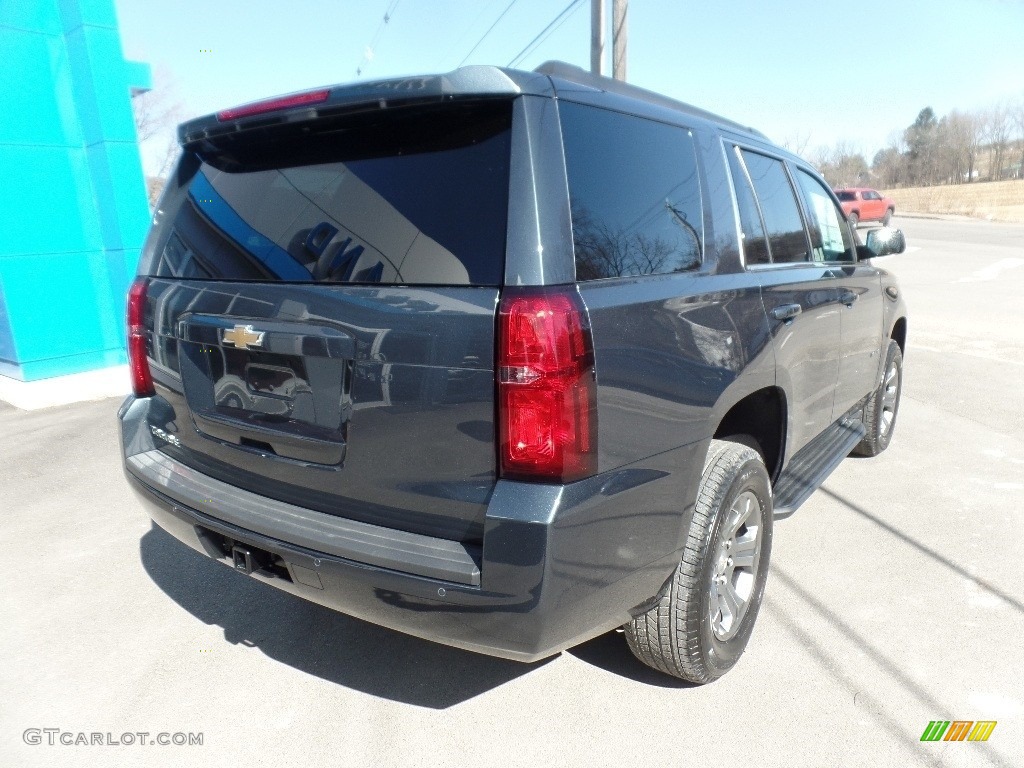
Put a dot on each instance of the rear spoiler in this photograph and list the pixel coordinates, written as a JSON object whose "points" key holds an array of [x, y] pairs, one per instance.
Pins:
{"points": [[476, 81]]}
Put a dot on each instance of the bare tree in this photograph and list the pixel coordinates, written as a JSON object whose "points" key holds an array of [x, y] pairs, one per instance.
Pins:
{"points": [[958, 139], [157, 114], [920, 138], [798, 144], [889, 165], [602, 251], [997, 127], [1017, 116], [842, 165]]}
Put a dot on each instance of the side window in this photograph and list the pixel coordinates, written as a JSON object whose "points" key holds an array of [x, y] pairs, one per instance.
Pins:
{"points": [[634, 192], [779, 208], [755, 244], [830, 237]]}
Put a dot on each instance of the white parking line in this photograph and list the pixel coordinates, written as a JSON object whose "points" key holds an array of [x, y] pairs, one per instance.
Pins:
{"points": [[992, 271], [993, 358]]}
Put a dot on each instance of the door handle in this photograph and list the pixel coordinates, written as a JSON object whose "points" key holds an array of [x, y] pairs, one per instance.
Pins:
{"points": [[786, 311], [848, 297]]}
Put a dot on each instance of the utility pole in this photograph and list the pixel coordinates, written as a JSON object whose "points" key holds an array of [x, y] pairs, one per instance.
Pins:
{"points": [[596, 36], [620, 9]]}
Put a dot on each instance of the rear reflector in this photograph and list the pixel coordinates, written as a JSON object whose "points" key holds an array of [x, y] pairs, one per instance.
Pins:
{"points": [[138, 361], [547, 394], [273, 105]]}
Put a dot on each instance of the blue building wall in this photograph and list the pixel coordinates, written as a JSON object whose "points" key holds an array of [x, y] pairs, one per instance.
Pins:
{"points": [[73, 210]]}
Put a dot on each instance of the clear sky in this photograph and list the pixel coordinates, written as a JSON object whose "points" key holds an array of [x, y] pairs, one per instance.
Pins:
{"points": [[820, 72]]}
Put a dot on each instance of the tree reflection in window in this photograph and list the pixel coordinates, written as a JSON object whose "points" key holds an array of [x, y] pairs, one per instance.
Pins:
{"points": [[605, 252], [635, 194]]}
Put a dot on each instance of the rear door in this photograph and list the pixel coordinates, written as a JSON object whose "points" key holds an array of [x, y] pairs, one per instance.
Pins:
{"points": [[800, 296], [323, 303]]}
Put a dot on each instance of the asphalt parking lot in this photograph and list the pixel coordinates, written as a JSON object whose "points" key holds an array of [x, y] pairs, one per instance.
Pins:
{"points": [[895, 598]]}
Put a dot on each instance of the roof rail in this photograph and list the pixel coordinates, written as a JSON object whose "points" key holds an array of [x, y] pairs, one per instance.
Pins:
{"points": [[572, 73]]}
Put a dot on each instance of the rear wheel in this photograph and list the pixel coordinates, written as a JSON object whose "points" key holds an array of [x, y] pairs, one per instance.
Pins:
{"points": [[883, 405], [853, 218], [706, 611], [887, 218]]}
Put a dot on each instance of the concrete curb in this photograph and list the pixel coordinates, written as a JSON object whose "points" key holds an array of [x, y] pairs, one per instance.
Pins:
{"points": [[947, 217], [62, 390]]}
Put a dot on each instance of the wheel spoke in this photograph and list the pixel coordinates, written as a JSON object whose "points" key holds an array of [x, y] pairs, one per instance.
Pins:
{"points": [[738, 515], [716, 603], [887, 417], [731, 600], [748, 507], [743, 553]]}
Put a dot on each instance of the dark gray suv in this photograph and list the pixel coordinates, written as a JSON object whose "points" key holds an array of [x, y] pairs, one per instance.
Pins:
{"points": [[503, 359]]}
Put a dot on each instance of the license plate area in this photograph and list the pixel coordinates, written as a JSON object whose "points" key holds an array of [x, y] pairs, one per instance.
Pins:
{"points": [[289, 398], [277, 382]]}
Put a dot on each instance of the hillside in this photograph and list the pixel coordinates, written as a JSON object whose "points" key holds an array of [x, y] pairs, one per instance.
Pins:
{"points": [[993, 200]]}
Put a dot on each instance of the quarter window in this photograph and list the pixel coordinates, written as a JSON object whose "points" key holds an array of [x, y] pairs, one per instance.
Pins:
{"points": [[755, 244], [635, 194]]}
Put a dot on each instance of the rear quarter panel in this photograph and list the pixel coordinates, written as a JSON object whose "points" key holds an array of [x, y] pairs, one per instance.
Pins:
{"points": [[675, 352]]}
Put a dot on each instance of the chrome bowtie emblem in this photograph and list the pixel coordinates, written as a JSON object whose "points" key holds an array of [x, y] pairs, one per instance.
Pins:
{"points": [[243, 337]]}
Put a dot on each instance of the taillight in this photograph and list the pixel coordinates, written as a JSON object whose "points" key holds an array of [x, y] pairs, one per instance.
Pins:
{"points": [[138, 362], [273, 105], [547, 394]]}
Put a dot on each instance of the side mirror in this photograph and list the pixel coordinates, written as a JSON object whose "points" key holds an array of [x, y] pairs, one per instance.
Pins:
{"points": [[885, 241]]}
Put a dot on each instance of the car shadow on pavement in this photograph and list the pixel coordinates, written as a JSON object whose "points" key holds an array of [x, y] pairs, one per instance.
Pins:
{"points": [[316, 640], [610, 653]]}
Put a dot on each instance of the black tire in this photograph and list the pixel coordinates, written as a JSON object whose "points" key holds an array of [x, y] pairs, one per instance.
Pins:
{"points": [[887, 218], [853, 218], [883, 406], [679, 635]]}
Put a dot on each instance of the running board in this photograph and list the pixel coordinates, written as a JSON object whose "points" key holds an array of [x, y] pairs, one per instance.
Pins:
{"points": [[814, 463]]}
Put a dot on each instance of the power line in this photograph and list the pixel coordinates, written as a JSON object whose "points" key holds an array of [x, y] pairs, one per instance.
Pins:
{"points": [[559, 20], [463, 36], [489, 30], [389, 12]]}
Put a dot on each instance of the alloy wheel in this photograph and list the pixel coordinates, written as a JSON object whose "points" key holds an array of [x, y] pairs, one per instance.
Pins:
{"points": [[891, 387], [735, 565]]}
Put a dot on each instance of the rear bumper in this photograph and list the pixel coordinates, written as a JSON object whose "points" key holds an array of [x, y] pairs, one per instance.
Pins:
{"points": [[558, 565]]}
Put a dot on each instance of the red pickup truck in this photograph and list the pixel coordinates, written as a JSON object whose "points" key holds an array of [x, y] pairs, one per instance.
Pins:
{"points": [[863, 204]]}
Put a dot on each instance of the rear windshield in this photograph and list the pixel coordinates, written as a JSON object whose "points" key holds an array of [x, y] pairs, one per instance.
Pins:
{"points": [[846, 196], [400, 196]]}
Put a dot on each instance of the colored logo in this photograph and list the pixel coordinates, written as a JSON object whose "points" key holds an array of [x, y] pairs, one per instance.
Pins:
{"points": [[243, 337], [958, 730]]}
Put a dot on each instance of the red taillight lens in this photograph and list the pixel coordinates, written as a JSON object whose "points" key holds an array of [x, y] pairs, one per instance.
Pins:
{"points": [[547, 395], [138, 362], [273, 105]]}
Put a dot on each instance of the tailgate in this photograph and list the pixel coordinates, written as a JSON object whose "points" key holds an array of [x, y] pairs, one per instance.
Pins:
{"points": [[321, 312]]}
